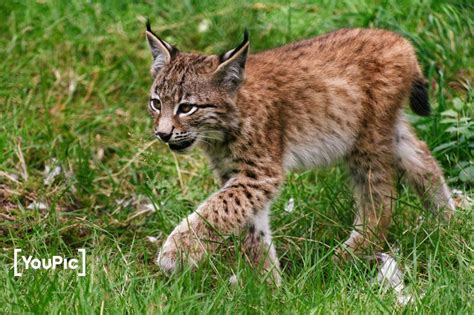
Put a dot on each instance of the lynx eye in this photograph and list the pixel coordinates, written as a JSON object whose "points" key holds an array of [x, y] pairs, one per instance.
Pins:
{"points": [[186, 108], [155, 105]]}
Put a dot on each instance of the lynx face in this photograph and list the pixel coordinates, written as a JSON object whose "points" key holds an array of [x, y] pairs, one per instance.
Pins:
{"points": [[192, 96]]}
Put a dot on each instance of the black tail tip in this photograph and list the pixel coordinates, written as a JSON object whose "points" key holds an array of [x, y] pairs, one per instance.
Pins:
{"points": [[419, 98]]}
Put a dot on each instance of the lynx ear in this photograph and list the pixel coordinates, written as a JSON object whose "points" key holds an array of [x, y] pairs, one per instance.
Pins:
{"points": [[230, 72], [161, 51]]}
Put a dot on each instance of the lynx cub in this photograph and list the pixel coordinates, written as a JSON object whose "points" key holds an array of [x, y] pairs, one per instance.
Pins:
{"points": [[335, 97]]}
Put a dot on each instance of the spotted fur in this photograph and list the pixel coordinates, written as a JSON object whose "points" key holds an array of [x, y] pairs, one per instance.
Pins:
{"points": [[307, 104]]}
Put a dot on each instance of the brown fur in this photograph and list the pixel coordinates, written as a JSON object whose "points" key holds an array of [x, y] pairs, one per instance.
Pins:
{"points": [[306, 104]]}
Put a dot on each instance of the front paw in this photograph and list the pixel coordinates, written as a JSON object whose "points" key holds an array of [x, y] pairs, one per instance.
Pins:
{"points": [[179, 250], [184, 247], [167, 259]]}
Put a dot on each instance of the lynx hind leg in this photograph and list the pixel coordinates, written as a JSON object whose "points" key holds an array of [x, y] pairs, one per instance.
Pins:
{"points": [[372, 171], [415, 161], [258, 248]]}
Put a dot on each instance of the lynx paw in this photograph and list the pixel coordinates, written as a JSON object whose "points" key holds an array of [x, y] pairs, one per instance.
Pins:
{"points": [[166, 261], [179, 250], [183, 247]]}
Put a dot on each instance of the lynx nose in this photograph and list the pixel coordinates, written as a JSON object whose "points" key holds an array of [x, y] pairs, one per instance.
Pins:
{"points": [[165, 136]]}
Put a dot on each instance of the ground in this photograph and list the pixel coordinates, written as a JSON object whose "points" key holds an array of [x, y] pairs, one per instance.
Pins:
{"points": [[73, 96]]}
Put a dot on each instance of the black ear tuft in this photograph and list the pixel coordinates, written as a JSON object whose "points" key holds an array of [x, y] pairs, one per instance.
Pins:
{"points": [[161, 51], [230, 73], [148, 26], [227, 55], [246, 35]]}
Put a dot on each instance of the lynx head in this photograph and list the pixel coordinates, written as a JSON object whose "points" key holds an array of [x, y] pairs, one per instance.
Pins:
{"points": [[192, 98]]}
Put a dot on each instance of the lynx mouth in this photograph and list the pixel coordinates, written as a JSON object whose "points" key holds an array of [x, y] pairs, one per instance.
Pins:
{"points": [[182, 145]]}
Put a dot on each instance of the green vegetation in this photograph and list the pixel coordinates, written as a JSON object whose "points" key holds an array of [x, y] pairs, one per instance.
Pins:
{"points": [[73, 91]]}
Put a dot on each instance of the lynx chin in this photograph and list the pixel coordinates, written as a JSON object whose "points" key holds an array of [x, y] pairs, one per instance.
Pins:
{"points": [[311, 103]]}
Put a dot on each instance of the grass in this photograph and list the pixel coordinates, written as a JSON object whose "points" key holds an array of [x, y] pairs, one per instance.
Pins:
{"points": [[74, 85]]}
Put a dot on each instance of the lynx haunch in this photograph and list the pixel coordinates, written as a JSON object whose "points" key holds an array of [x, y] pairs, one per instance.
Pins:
{"points": [[335, 97]]}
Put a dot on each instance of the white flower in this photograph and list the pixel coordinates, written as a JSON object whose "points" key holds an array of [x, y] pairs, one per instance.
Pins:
{"points": [[51, 171], [290, 205], [204, 26]]}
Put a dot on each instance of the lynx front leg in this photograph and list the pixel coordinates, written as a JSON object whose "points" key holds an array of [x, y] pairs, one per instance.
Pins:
{"points": [[259, 249], [224, 213]]}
